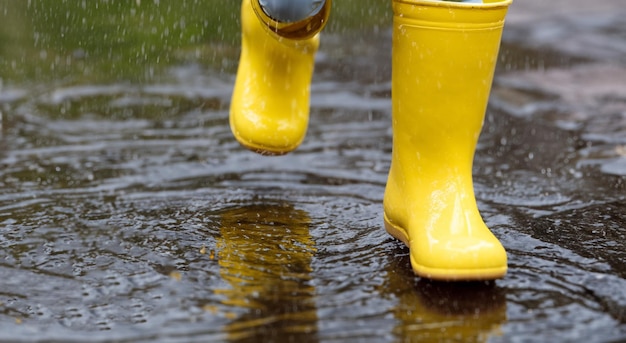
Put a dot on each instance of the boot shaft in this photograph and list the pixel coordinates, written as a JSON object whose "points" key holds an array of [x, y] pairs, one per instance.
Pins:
{"points": [[444, 56]]}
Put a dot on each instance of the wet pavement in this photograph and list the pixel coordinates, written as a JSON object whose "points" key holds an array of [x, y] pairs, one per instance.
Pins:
{"points": [[128, 212]]}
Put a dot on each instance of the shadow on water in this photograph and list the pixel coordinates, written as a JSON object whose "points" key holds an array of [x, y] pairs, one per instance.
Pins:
{"points": [[129, 213]]}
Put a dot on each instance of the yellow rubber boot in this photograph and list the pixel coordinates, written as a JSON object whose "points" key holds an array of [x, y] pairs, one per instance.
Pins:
{"points": [[444, 56], [269, 111]]}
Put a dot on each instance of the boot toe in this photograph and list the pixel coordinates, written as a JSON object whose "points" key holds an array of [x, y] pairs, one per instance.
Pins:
{"points": [[460, 258]]}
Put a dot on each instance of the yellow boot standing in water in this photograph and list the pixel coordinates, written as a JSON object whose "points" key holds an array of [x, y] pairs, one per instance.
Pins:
{"points": [[269, 111], [444, 56]]}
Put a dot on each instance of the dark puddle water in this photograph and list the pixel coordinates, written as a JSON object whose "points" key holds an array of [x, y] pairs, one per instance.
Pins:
{"points": [[119, 224]]}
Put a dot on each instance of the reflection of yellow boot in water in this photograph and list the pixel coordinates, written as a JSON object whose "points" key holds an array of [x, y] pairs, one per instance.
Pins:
{"points": [[264, 254], [270, 105], [451, 312], [444, 56], [432, 311]]}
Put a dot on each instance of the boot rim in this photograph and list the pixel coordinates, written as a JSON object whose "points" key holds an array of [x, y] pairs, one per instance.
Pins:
{"points": [[450, 4], [298, 30]]}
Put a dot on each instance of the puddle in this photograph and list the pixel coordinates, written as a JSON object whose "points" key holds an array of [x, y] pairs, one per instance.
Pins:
{"points": [[129, 213]]}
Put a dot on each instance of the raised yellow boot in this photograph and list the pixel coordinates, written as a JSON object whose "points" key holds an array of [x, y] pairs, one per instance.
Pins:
{"points": [[444, 56], [269, 111]]}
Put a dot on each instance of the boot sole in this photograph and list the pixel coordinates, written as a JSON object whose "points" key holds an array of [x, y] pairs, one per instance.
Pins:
{"points": [[440, 274], [263, 150]]}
